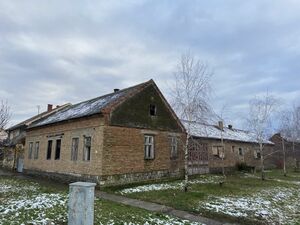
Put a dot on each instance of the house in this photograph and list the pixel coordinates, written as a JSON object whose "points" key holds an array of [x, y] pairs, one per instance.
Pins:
{"points": [[14, 145], [206, 150], [292, 151], [126, 136]]}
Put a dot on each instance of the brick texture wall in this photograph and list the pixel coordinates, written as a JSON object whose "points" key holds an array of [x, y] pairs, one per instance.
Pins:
{"points": [[123, 151], [117, 153], [86, 126], [232, 156]]}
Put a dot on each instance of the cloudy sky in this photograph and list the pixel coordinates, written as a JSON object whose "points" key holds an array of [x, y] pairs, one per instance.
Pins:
{"points": [[68, 51]]}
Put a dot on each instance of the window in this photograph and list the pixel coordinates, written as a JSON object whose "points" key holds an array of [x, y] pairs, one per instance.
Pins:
{"points": [[49, 149], [57, 149], [36, 150], [241, 152], [30, 150], [152, 110], [149, 147], [87, 149], [233, 148], [174, 152], [74, 150], [218, 151], [257, 154]]}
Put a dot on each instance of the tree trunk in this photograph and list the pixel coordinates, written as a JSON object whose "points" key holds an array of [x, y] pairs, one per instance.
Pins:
{"points": [[284, 158], [262, 162], [186, 171], [295, 157]]}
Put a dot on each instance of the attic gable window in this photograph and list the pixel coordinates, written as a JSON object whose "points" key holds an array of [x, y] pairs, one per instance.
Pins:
{"points": [[152, 110]]}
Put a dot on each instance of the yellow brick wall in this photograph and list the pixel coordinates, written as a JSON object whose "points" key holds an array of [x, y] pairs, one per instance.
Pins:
{"points": [[232, 157], [123, 151], [86, 126]]}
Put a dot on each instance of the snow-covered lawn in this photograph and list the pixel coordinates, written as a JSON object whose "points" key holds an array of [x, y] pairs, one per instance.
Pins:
{"points": [[176, 185], [279, 205], [23, 202], [26, 202]]}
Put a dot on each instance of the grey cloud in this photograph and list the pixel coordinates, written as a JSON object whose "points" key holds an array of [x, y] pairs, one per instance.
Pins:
{"points": [[68, 51]]}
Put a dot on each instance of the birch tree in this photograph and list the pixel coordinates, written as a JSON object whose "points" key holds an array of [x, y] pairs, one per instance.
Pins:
{"points": [[290, 130], [190, 94], [4, 114], [261, 110]]}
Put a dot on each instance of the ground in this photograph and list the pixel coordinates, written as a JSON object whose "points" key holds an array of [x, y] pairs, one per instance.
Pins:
{"points": [[243, 198], [26, 201]]}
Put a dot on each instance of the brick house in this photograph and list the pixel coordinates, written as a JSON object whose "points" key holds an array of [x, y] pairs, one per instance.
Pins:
{"points": [[14, 145], [292, 149], [126, 136], [206, 153]]}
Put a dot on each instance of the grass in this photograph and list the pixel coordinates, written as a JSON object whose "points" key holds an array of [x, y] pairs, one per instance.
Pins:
{"points": [[244, 198], [25, 201]]}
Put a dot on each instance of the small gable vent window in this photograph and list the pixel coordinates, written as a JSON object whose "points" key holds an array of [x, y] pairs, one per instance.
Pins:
{"points": [[152, 110]]}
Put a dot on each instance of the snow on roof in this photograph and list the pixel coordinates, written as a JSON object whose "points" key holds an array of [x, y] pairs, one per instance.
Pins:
{"points": [[31, 120], [86, 108], [213, 132]]}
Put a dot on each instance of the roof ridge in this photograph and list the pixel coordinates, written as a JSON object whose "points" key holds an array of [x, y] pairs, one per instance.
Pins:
{"points": [[112, 93], [90, 106]]}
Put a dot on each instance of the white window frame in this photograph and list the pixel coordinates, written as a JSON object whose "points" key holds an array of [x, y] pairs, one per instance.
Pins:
{"points": [[149, 146]]}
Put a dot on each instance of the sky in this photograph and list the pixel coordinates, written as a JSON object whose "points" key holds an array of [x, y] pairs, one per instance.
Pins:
{"points": [[68, 51]]}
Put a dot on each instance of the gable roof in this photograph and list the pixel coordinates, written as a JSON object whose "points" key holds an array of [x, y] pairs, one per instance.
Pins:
{"points": [[213, 132], [100, 105], [35, 118]]}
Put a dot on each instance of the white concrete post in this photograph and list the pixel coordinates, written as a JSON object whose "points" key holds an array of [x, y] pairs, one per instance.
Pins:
{"points": [[81, 203]]}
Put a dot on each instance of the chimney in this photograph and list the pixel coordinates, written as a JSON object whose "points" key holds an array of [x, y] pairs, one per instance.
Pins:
{"points": [[230, 126], [221, 126], [116, 90], [49, 108]]}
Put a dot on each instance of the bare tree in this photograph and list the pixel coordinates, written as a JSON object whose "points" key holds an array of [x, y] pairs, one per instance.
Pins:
{"points": [[290, 131], [259, 121], [190, 94], [4, 114]]}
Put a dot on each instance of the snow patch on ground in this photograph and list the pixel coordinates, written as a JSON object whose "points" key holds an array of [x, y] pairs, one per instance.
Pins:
{"points": [[275, 206], [171, 185], [42, 201], [150, 219]]}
